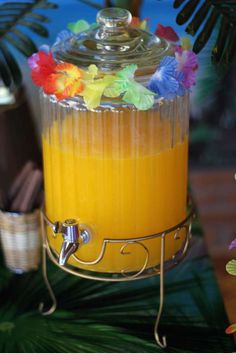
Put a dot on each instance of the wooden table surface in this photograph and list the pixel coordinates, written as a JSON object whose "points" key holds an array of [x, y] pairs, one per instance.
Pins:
{"points": [[215, 195]]}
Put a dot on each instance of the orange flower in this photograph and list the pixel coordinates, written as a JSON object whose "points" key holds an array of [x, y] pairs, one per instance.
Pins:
{"points": [[231, 329], [137, 23], [64, 82]]}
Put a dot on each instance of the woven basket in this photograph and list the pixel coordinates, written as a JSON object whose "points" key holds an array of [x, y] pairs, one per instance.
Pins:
{"points": [[20, 239]]}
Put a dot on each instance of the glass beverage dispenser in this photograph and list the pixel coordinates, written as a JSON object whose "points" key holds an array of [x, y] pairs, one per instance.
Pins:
{"points": [[114, 172]]}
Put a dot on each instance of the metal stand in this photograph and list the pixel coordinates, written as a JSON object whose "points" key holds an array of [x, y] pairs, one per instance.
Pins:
{"points": [[45, 276], [161, 341], [144, 272]]}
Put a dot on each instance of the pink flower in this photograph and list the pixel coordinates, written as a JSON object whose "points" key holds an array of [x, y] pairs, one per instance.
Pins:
{"points": [[187, 64], [232, 245], [167, 33], [33, 61]]}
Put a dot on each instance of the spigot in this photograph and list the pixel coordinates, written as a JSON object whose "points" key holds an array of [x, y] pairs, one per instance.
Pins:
{"points": [[73, 236], [67, 249]]}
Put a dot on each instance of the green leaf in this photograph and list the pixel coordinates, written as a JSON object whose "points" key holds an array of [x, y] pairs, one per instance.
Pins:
{"points": [[47, 5], [79, 26], [4, 71], [112, 91], [128, 72], [11, 10], [35, 27], [13, 14], [230, 50], [92, 4], [231, 267], [205, 34], [186, 12], [203, 133], [25, 40], [91, 72], [97, 317], [178, 3], [93, 91], [137, 94], [16, 4], [134, 93], [198, 19], [12, 65], [220, 44], [38, 17], [224, 48], [18, 45]]}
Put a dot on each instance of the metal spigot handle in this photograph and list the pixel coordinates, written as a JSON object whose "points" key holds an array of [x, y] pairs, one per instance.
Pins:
{"points": [[67, 249], [73, 237], [70, 231]]}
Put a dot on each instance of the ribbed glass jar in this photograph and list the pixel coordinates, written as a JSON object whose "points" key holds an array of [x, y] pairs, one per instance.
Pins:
{"points": [[121, 171]]}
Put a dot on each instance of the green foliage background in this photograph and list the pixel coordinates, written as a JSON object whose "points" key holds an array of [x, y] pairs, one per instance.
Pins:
{"points": [[97, 317], [15, 17]]}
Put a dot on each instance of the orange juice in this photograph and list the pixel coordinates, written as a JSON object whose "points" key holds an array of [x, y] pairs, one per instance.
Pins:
{"points": [[124, 174]]}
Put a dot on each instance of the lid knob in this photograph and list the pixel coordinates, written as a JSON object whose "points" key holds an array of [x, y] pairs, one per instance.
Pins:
{"points": [[114, 17]]}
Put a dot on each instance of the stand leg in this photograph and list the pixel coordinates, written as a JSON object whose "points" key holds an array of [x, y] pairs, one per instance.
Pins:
{"points": [[45, 277], [161, 341]]}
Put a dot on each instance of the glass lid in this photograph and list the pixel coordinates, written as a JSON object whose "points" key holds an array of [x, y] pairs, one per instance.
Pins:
{"points": [[112, 44]]}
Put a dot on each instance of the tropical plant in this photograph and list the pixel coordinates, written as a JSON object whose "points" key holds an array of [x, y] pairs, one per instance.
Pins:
{"points": [[212, 23], [205, 16], [14, 17], [97, 317], [199, 15]]}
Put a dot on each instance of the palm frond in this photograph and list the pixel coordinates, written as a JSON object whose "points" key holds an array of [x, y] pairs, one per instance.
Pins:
{"points": [[11, 64], [205, 18], [14, 16], [92, 4], [97, 317]]}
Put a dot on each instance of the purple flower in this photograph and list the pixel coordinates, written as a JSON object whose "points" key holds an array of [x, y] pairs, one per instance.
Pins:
{"points": [[167, 80], [232, 245], [33, 61], [187, 64]]}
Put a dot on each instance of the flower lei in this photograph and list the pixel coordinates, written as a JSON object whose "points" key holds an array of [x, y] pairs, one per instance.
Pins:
{"points": [[231, 269], [174, 76]]}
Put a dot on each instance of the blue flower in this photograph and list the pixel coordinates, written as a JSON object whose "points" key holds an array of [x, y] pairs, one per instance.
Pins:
{"points": [[63, 35], [45, 48], [167, 81]]}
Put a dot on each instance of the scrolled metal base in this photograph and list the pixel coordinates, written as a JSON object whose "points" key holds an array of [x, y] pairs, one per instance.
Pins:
{"points": [[144, 272]]}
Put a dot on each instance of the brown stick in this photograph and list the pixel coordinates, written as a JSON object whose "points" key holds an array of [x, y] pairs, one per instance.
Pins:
{"points": [[25, 199], [19, 180], [135, 7], [2, 200]]}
